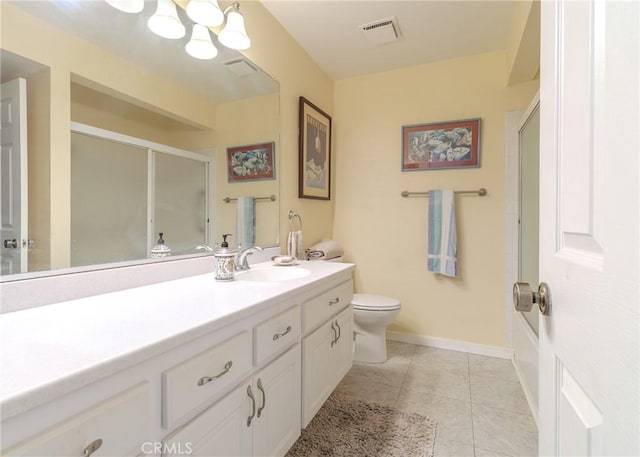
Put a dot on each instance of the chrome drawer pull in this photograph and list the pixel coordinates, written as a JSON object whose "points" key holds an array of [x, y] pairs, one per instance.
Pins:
{"points": [[334, 301], [280, 335], [253, 406], [93, 447], [335, 334], [264, 397], [206, 379]]}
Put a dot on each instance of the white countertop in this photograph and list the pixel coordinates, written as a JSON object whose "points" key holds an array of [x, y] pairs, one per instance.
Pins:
{"points": [[52, 350]]}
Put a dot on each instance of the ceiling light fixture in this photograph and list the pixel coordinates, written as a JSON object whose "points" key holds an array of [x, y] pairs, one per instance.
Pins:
{"points": [[205, 12], [200, 45], [165, 22], [234, 35]]}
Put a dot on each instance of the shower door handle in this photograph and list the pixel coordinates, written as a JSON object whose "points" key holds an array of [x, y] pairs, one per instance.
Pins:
{"points": [[524, 297]]}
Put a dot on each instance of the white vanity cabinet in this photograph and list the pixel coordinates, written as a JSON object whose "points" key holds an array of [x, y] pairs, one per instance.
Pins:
{"points": [[327, 352], [117, 426], [261, 417], [233, 369]]}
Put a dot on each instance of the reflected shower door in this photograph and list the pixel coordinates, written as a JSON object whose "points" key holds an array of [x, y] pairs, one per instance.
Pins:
{"points": [[108, 201], [180, 202], [529, 137]]}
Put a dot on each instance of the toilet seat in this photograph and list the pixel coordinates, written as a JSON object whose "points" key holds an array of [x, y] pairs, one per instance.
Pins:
{"points": [[371, 302]]}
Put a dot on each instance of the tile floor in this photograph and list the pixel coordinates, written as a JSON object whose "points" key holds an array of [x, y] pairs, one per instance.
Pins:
{"points": [[478, 401]]}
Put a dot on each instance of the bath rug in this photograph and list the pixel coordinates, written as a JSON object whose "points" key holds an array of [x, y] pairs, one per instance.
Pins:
{"points": [[347, 427]]}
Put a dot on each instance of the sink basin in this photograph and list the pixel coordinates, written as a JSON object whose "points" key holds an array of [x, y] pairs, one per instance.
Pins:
{"points": [[272, 274]]}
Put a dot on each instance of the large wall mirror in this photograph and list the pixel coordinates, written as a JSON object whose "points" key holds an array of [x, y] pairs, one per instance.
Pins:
{"points": [[111, 134]]}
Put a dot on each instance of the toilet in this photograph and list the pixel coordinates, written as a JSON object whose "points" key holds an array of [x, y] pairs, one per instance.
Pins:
{"points": [[371, 316]]}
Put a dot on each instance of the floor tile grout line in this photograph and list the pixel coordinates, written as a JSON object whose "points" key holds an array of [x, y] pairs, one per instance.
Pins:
{"points": [[473, 432]]}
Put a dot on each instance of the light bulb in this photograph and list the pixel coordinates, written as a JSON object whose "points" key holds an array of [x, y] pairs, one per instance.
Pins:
{"points": [[127, 6], [234, 35], [205, 12], [165, 21], [200, 45]]}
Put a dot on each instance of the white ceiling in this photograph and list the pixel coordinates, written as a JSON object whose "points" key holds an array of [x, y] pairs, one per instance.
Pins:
{"points": [[430, 31]]}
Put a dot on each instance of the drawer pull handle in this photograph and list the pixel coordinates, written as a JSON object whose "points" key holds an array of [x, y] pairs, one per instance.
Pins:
{"points": [[339, 331], [280, 335], [93, 447], [253, 406], [334, 301], [264, 397], [206, 379], [335, 335]]}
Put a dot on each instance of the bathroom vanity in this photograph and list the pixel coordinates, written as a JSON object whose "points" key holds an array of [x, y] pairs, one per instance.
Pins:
{"points": [[184, 367]]}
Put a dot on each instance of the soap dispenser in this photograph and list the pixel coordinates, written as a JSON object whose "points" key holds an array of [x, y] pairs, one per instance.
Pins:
{"points": [[225, 261], [160, 249]]}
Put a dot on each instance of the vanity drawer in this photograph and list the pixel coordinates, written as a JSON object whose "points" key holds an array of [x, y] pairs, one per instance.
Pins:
{"points": [[188, 386], [121, 422], [277, 334], [317, 310]]}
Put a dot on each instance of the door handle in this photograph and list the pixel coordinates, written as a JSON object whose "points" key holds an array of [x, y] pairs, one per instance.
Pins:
{"points": [[264, 397], [253, 406], [11, 244], [335, 335], [524, 297]]}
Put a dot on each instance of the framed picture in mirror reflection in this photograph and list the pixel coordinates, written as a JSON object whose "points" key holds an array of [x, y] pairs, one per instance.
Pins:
{"points": [[251, 162], [314, 173]]}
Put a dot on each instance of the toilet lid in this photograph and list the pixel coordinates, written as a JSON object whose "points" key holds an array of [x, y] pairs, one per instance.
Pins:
{"points": [[374, 302]]}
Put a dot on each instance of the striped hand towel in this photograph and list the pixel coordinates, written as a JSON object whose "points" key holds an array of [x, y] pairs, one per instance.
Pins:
{"points": [[246, 221], [294, 244], [442, 238]]}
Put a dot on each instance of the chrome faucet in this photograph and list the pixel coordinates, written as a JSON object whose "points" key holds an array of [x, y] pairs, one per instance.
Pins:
{"points": [[242, 263], [204, 247]]}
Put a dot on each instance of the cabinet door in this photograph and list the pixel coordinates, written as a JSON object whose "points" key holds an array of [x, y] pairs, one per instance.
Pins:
{"points": [[277, 390], [343, 348], [220, 431], [317, 370], [116, 427]]}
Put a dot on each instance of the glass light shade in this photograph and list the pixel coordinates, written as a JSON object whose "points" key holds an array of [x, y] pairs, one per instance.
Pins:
{"points": [[127, 6], [200, 45], [234, 35], [205, 12], [165, 21]]}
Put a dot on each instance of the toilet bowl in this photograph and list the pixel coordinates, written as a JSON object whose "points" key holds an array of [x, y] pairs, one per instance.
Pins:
{"points": [[371, 316]]}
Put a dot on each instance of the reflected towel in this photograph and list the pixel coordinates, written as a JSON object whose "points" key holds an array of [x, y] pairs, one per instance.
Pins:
{"points": [[442, 239], [246, 221], [294, 244]]}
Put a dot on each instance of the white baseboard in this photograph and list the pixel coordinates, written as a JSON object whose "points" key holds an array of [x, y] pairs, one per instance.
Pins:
{"points": [[454, 345]]}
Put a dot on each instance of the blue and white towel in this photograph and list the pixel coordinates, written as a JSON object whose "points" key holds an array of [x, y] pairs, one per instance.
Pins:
{"points": [[246, 221], [442, 239]]}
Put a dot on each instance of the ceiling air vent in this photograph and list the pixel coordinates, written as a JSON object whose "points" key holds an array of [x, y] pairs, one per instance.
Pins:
{"points": [[381, 31], [240, 67]]}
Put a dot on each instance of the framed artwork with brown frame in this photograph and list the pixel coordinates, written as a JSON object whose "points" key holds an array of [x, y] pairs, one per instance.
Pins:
{"points": [[314, 163], [252, 162], [440, 145]]}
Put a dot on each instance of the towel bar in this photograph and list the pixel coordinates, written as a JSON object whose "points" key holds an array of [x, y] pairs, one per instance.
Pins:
{"points": [[233, 199], [481, 192]]}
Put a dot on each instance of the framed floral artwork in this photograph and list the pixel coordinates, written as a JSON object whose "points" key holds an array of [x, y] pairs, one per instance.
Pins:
{"points": [[250, 163], [453, 144]]}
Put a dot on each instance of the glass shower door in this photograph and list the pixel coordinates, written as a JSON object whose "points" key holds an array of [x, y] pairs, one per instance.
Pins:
{"points": [[529, 137]]}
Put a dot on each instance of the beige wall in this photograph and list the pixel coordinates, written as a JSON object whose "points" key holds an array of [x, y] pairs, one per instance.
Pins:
{"points": [[385, 234], [273, 49]]}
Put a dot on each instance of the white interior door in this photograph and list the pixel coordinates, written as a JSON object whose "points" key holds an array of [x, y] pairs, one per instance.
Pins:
{"points": [[13, 177], [589, 241]]}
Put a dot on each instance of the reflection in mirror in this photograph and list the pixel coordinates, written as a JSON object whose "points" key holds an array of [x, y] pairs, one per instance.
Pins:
{"points": [[87, 63]]}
